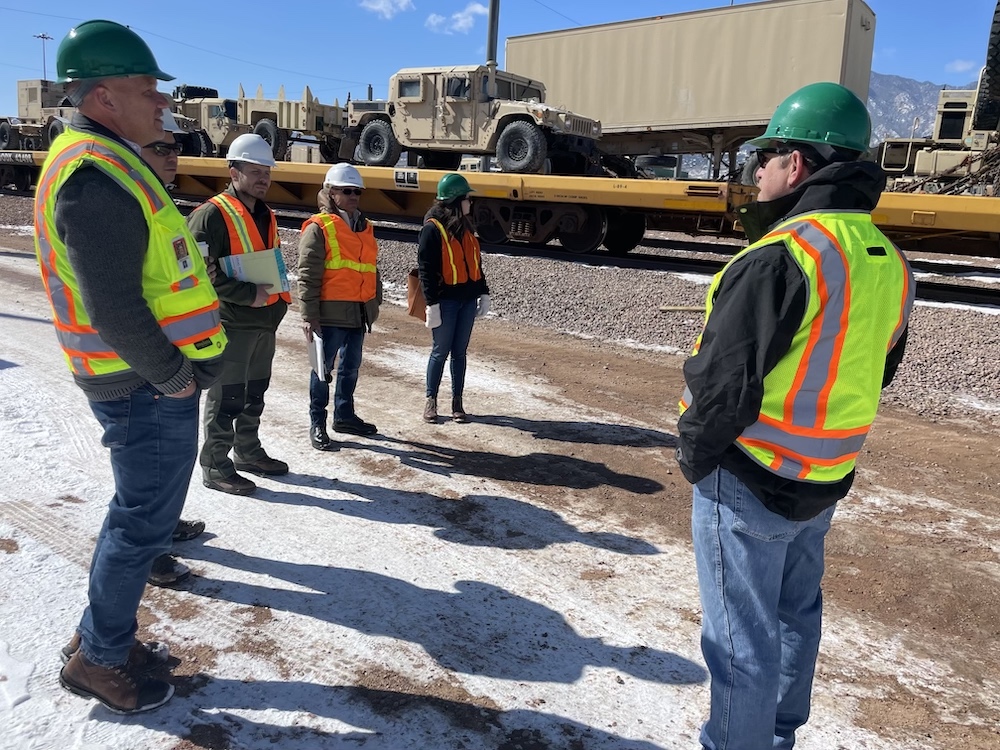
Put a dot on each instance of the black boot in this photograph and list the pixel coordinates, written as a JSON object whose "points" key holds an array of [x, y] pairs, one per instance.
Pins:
{"points": [[319, 438]]}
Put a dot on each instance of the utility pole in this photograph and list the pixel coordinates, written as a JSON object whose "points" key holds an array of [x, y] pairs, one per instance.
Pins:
{"points": [[44, 37]]}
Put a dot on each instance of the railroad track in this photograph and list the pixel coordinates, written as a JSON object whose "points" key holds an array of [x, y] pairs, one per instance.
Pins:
{"points": [[931, 291]]}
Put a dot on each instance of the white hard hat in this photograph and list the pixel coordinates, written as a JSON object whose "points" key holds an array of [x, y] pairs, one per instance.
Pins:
{"points": [[343, 175], [169, 123], [252, 148]]}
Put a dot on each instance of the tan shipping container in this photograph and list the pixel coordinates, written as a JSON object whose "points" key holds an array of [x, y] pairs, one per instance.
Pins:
{"points": [[703, 70]]}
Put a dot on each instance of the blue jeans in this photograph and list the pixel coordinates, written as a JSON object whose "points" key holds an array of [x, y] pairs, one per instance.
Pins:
{"points": [[154, 441], [451, 339], [759, 578], [348, 342]]}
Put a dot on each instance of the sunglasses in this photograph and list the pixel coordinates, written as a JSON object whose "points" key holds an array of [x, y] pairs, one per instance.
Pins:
{"points": [[764, 155], [165, 149], [351, 191]]}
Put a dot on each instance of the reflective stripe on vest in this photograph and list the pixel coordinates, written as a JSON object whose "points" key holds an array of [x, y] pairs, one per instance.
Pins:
{"points": [[350, 263], [468, 267], [820, 399], [244, 237], [175, 283]]}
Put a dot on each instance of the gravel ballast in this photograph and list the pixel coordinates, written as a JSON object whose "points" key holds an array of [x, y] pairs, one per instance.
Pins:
{"points": [[951, 369]]}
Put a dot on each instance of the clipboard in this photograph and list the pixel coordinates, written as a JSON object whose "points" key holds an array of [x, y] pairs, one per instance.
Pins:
{"points": [[317, 357], [260, 267]]}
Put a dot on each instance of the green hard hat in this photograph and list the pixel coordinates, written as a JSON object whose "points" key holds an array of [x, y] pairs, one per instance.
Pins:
{"points": [[453, 186], [824, 114], [105, 49]]}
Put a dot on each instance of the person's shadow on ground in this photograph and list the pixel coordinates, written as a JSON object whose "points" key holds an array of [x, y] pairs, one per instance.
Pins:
{"points": [[474, 520], [479, 629], [377, 719], [596, 433], [546, 469]]}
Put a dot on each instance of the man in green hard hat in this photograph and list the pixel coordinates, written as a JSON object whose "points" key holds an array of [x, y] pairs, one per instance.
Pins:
{"points": [[802, 330], [138, 321]]}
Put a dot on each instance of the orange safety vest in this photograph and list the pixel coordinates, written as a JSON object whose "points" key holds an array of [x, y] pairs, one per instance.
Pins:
{"points": [[460, 261], [349, 274], [244, 237]]}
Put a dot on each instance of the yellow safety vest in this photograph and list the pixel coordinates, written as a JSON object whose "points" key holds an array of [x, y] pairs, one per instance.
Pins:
{"points": [[175, 283], [820, 399], [351, 258]]}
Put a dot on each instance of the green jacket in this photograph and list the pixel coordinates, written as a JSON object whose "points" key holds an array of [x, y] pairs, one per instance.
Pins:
{"points": [[235, 297], [312, 258]]}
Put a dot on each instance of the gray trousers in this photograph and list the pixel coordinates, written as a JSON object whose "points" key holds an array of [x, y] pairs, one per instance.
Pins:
{"points": [[234, 404]]}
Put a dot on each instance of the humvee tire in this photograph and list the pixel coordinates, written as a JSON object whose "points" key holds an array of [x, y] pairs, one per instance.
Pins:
{"points": [[6, 136], [53, 131], [521, 147], [276, 138], [378, 146]]}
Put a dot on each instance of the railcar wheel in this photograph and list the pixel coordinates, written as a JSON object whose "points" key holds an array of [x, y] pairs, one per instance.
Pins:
{"points": [[588, 237]]}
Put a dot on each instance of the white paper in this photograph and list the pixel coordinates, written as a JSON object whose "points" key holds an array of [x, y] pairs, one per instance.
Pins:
{"points": [[317, 357], [260, 267]]}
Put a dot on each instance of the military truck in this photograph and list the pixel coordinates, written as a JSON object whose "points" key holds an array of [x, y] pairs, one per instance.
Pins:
{"points": [[214, 122], [42, 113], [962, 156], [439, 114]]}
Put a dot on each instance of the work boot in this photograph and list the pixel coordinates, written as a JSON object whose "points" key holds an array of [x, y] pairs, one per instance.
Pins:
{"points": [[355, 426], [431, 410], [144, 657], [234, 485], [457, 412], [265, 466], [167, 570], [188, 530], [319, 439], [115, 687]]}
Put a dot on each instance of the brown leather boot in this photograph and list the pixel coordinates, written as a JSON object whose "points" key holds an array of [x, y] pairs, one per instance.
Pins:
{"points": [[144, 657], [457, 410], [431, 410], [115, 687]]}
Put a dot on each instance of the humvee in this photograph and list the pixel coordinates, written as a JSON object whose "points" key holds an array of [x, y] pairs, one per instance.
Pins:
{"points": [[439, 114], [214, 123]]}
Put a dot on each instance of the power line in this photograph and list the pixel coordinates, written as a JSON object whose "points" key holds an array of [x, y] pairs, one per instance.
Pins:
{"points": [[192, 46], [572, 20]]}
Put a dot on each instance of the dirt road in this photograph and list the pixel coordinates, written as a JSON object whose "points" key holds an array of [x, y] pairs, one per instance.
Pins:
{"points": [[523, 581]]}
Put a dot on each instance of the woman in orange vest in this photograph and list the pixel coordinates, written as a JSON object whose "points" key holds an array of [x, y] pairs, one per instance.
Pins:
{"points": [[451, 276]]}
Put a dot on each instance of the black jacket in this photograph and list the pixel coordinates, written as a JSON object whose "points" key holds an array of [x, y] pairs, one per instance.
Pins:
{"points": [[429, 265], [756, 311]]}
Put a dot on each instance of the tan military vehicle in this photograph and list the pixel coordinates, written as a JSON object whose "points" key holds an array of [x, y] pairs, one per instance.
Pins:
{"points": [[214, 122], [439, 114], [42, 114]]}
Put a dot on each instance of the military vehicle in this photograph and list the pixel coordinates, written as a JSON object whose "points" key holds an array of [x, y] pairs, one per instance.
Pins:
{"points": [[439, 114], [962, 155], [214, 122], [42, 113], [680, 83]]}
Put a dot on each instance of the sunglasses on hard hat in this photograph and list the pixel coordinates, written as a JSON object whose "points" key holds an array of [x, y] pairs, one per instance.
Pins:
{"points": [[350, 191], [165, 149]]}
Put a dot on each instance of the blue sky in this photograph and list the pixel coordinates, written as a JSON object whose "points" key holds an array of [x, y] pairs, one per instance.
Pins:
{"points": [[364, 41]]}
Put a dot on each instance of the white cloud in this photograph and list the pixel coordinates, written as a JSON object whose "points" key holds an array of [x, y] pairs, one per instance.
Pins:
{"points": [[461, 22], [436, 23], [387, 8], [960, 66]]}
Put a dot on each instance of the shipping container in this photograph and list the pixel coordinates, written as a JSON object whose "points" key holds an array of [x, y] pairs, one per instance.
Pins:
{"points": [[710, 78]]}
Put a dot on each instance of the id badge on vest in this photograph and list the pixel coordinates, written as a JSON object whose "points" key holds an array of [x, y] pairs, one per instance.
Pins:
{"points": [[184, 263]]}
